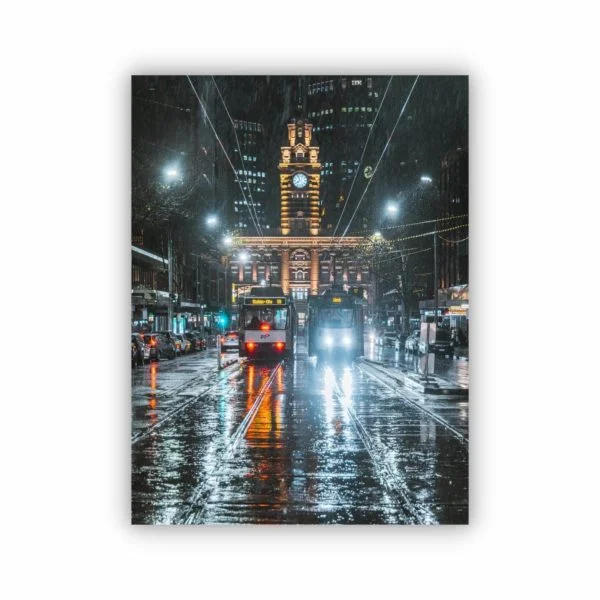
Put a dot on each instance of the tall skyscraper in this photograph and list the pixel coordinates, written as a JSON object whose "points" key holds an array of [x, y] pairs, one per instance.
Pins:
{"points": [[248, 208], [343, 110]]}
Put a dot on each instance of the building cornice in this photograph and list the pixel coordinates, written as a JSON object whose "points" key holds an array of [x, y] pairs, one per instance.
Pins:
{"points": [[292, 242]]}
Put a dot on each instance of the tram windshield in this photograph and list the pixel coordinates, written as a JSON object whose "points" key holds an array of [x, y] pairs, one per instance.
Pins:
{"points": [[270, 318], [336, 318]]}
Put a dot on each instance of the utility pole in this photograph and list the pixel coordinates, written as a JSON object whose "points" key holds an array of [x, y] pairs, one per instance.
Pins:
{"points": [[435, 275], [170, 261]]}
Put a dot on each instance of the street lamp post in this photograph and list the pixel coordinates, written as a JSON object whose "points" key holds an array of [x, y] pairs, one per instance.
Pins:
{"points": [[170, 282]]}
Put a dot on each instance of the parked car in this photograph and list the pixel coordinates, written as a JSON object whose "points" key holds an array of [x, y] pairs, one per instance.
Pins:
{"points": [[173, 339], [197, 341], [412, 341], [142, 350], [443, 343], [230, 341], [185, 344], [160, 346]]}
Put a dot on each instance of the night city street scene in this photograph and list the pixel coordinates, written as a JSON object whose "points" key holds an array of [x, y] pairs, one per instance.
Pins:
{"points": [[300, 300]]}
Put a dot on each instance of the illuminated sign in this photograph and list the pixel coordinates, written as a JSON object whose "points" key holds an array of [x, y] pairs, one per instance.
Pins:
{"points": [[336, 299], [265, 301], [453, 310]]}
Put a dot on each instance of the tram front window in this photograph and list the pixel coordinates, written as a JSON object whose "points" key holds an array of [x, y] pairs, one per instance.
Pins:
{"points": [[274, 318], [336, 318]]}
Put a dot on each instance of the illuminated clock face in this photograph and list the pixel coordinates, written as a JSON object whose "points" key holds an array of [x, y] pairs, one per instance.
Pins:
{"points": [[299, 180]]}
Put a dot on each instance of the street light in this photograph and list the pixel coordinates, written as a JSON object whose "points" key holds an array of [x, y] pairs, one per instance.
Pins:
{"points": [[377, 235], [212, 220], [426, 179], [227, 240], [391, 209], [171, 173], [243, 256]]}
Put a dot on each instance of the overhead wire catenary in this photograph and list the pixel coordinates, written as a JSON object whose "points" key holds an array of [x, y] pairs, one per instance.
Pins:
{"points": [[381, 157], [244, 171], [224, 151], [357, 170]]}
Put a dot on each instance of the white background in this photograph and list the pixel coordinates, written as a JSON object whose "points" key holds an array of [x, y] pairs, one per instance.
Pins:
{"points": [[64, 414]]}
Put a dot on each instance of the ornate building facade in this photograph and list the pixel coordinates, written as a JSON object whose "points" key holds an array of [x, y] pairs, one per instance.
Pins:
{"points": [[300, 258]]}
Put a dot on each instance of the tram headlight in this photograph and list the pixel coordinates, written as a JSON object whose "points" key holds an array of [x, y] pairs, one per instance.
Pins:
{"points": [[347, 341], [328, 341]]}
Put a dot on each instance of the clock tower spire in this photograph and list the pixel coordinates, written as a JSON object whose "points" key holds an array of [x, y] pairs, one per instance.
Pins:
{"points": [[300, 181]]}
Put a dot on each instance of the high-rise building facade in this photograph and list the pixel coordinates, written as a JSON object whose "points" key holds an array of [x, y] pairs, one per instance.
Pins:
{"points": [[454, 202], [248, 189], [343, 110]]}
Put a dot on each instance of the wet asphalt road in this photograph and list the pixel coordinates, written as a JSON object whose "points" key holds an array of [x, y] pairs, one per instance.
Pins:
{"points": [[292, 442], [454, 370]]}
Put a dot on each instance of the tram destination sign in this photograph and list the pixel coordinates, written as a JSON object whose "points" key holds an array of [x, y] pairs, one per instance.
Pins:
{"points": [[264, 301]]}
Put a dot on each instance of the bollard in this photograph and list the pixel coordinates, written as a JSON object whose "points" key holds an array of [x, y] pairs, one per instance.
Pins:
{"points": [[219, 351]]}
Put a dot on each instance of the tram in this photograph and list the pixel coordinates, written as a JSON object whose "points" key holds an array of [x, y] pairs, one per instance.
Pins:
{"points": [[267, 323], [335, 324]]}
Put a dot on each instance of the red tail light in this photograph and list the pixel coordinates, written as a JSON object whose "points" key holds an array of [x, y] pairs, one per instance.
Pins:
{"points": [[265, 327], [279, 346], [250, 346]]}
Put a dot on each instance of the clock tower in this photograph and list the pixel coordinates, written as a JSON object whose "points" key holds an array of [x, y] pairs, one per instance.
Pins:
{"points": [[300, 181]]}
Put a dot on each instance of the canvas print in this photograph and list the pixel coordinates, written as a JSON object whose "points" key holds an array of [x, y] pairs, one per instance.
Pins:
{"points": [[300, 300]]}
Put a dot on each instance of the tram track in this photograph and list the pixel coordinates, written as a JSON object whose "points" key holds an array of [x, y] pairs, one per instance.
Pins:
{"points": [[144, 433], [195, 505], [391, 478], [381, 375]]}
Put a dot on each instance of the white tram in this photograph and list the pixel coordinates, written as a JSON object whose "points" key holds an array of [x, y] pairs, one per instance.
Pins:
{"points": [[267, 323]]}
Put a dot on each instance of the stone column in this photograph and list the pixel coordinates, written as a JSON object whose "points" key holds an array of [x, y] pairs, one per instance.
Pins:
{"points": [[268, 274], [285, 270], [254, 272], [241, 272], [314, 272], [332, 267]]}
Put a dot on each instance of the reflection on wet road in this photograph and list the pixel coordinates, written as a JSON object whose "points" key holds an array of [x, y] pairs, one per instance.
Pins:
{"points": [[295, 442]]}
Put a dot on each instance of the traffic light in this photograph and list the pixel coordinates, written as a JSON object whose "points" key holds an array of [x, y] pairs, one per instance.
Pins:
{"points": [[223, 319]]}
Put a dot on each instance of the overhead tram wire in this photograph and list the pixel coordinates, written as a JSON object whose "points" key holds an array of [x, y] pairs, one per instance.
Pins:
{"points": [[381, 157], [453, 241], [240, 153], [224, 151], [424, 222], [362, 156], [418, 235]]}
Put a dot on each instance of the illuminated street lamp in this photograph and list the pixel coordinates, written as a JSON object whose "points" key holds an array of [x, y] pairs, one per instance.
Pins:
{"points": [[212, 220], [391, 209], [243, 256], [227, 240], [171, 173], [426, 179], [377, 235]]}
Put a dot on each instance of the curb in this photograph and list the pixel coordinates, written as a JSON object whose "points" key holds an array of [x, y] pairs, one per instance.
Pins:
{"points": [[436, 385]]}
